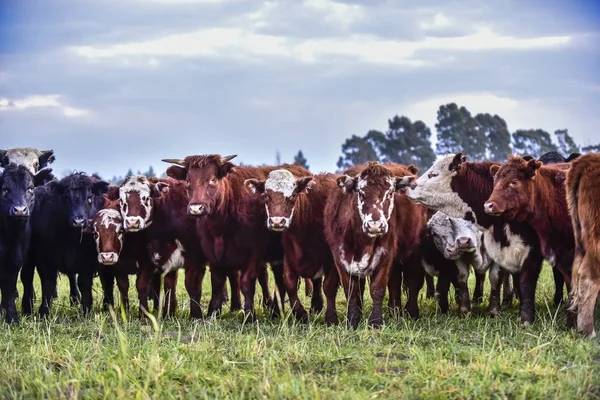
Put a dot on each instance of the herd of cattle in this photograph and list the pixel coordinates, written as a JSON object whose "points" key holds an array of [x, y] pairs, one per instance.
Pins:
{"points": [[381, 221]]}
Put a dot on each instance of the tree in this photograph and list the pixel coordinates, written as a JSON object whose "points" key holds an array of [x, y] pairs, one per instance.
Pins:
{"points": [[129, 172], [277, 158], [150, 173], [533, 142], [497, 136], [356, 150], [566, 144], [300, 160], [595, 148], [457, 131], [406, 143]]}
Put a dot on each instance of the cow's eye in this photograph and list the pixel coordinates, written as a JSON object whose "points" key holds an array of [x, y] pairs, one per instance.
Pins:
{"points": [[89, 200], [514, 182], [213, 181], [432, 175]]}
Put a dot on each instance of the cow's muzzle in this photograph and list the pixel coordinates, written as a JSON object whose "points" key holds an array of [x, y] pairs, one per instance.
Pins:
{"points": [[108, 258], [19, 211], [375, 228], [492, 208], [198, 209], [278, 224]]}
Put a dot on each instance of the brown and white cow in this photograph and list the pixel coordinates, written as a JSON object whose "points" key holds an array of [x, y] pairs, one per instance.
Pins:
{"points": [[364, 221], [230, 221], [34, 159], [295, 204], [583, 192], [459, 189], [534, 194]]}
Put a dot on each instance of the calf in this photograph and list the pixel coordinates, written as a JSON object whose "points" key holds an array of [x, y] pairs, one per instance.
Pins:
{"points": [[460, 189], [459, 245], [17, 198], [583, 192], [295, 205], [363, 222], [59, 220], [528, 192]]}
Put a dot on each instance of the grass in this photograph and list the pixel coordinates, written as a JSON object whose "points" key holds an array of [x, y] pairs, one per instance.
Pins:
{"points": [[113, 355]]}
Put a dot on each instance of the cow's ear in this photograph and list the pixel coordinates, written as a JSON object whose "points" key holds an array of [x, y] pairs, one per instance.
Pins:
{"points": [[112, 193], [225, 169], [457, 162], [405, 182], [573, 156], [43, 176], [532, 167], [347, 183], [413, 169], [159, 188], [100, 187], [254, 185], [494, 169], [176, 172], [3, 158], [47, 157], [305, 184], [527, 158]]}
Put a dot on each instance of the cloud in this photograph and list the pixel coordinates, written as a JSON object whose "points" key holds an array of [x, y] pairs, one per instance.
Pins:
{"points": [[41, 101], [339, 13], [243, 43], [439, 21]]}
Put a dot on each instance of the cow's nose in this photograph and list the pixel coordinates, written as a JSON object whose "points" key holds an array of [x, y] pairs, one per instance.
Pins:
{"points": [[197, 209], [451, 251], [464, 242], [375, 227], [489, 207], [79, 221], [109, 258], [20, 211], [132, 223], [277, 222]]}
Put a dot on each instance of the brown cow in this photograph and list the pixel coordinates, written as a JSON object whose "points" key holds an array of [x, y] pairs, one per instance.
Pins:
{"points": [[529, 192], [583, 192], [230, 221], [364, 224], [295, 205]]}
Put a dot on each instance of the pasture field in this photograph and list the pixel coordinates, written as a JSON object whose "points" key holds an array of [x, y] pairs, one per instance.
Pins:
{"points": [[115, 356]]}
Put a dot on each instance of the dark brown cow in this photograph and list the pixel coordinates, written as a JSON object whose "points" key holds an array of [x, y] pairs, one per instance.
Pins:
{"points": [[364, 226], [230, 221], [295, 204], [583, 192], [528, 192]]}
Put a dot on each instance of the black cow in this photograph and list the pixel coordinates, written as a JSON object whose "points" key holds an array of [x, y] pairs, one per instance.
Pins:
{"points": [[17, 196], [59, 221]]}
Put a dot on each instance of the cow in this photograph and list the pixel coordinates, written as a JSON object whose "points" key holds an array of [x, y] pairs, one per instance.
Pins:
{"points": [[17, 198], [459, 189], [229, 222], [368, 228], [459, 245], [127, 253], [534, 194], [295, 205], [33, 159], [583, 191], [59, 220]]}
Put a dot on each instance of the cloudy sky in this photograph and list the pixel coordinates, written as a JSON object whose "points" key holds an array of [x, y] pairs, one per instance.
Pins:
{"points": [[113, 84]]}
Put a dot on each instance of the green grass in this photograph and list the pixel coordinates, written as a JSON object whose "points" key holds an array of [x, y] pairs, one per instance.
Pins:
{"points": [[441, 357]]}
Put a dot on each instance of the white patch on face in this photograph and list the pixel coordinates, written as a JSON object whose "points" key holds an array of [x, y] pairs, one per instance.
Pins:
{"points": [[137, 183], [27, 157], [109, 218], [281, 181], [510, 258], [176, 259], [378, 205], [434, 191], [366, 265]]}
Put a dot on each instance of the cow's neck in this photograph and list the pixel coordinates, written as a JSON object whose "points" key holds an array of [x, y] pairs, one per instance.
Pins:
{"points": [[474, 185]]}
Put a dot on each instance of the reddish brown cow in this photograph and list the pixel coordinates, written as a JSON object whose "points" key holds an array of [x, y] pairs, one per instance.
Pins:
{"points": [[230, 224], [295, 204], [583, 192], [364, 226], [529, 192]]}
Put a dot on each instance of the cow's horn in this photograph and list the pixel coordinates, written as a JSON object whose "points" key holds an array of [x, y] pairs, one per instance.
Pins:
{"points": [[227, 158], [175, 161]]}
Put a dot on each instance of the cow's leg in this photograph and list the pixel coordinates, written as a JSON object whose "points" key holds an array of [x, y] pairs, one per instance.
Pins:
{"points": [[443, 289], [263, 281], [414, 274], [107, 280], [559, 282], [507, 292], [308, 287], [194, 274], [248, 285], [361, 298], [170, 289], [464, 305], [351, 286], [277, 304], [528, 279], [496, 278], [430, 293], [217, 281], [479, 283], [566, 269], [379, 284], [154, 293], [8, 284], [85, 281], [516, 278], [586, 284], [27, 273], [74, 295], [330, 288], [143, 284], [316, 301], [123, 285], [395, 290], [48, 276], [236, 294], [291, 280]]}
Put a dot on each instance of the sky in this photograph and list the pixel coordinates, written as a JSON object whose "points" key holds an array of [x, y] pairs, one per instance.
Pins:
{"points": [[118, 84]]}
